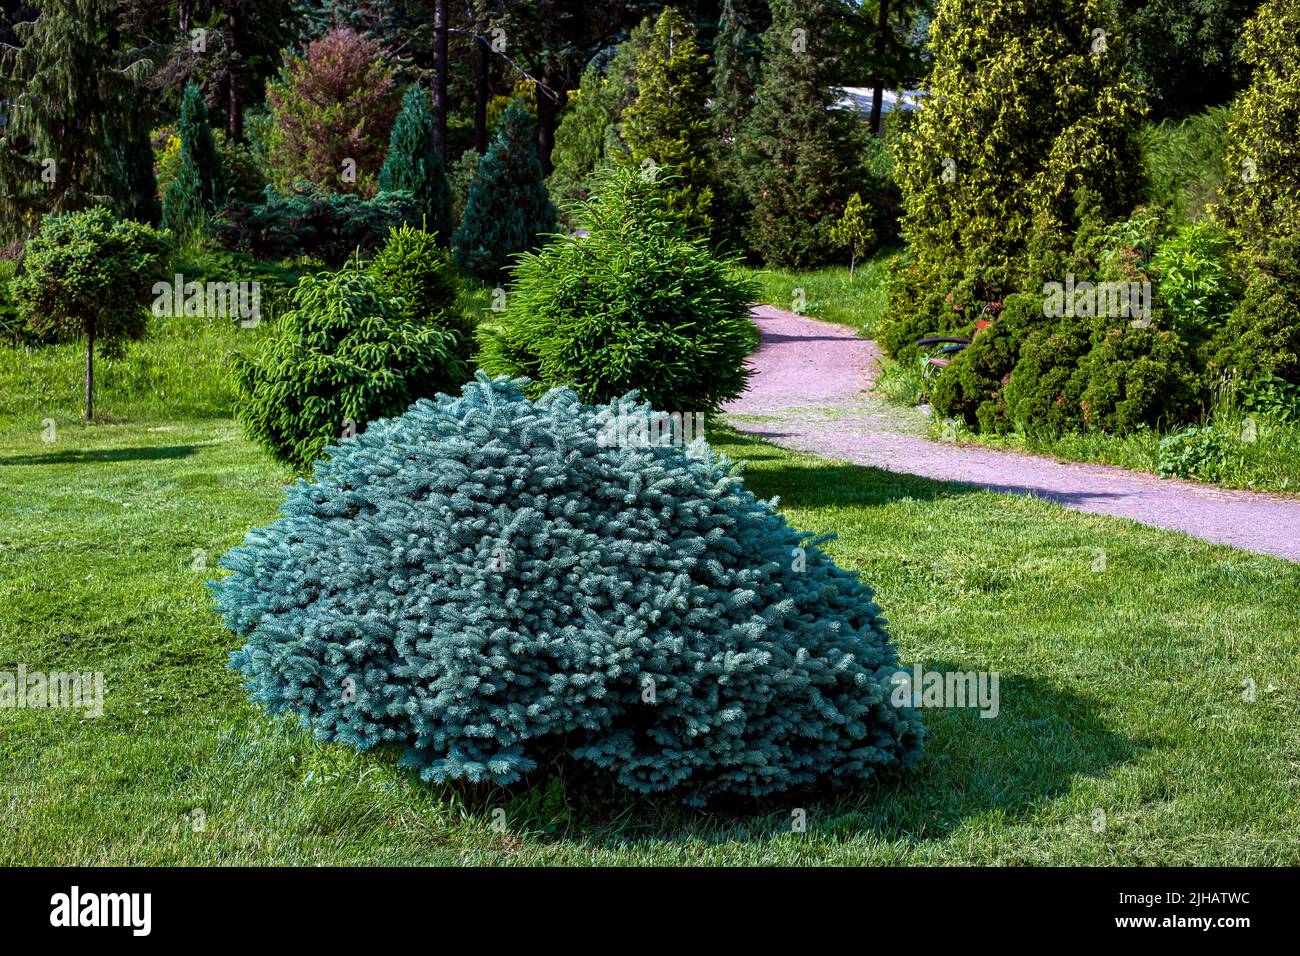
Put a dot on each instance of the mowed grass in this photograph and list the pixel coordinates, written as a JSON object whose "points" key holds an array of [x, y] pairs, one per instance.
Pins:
{"points": [[1128, 731]]}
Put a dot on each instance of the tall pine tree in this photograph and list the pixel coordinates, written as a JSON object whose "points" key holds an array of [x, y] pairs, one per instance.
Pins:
{"points": [[668, 125], [74, 136], [199, 186], [508, 206], [413, 164], [798, 152]]}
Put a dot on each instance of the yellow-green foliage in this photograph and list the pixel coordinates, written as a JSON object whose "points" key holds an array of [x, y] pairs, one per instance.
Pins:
{"points": [[1261, 192], [1029, 103]]}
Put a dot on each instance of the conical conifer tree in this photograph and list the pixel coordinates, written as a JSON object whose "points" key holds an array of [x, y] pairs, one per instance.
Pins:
{"points": [[199, 187], [413, 164], [736, 71], [798, 153], [1023, 119], [508, 207], [668, 125], [74, 135]]}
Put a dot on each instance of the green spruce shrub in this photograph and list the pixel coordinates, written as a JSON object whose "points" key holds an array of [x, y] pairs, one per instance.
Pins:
{"points": [[508, 208], [414, 166], [346, 355], [411, 266], [635, 304], [486, 584]]}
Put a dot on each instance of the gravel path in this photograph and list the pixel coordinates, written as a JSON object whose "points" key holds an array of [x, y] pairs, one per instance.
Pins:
{"points": [[809, 393]]}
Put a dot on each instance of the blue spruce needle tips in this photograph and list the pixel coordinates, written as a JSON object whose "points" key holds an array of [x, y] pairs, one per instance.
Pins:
{"points": [[491, 583]]}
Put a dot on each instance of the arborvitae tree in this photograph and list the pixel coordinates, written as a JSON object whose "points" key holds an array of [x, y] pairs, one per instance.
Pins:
{"points": [[1261, 201], [333, 110], [74, 136], [1023, 115], [1261, 190], [508, 206], [413, 164], [668, 125], [199, 186], [798, 151]]}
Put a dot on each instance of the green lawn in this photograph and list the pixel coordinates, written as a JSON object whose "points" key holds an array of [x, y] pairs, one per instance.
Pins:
{"points": [[1121, 687], [832, 294]]}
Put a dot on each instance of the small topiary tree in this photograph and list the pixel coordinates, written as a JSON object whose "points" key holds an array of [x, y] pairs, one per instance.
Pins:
{"points": [[484, 583], [411, 266], [199, 183], [332, 111], [508, 207], [413, 164], [634, 304], [87, 273], [347, 354]]}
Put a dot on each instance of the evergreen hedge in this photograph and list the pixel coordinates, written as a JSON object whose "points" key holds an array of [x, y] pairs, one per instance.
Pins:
{"points": [[486, 583]]}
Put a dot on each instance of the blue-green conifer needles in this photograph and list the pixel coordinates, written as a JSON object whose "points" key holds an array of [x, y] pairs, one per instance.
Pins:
{"points": [[494, 583]]}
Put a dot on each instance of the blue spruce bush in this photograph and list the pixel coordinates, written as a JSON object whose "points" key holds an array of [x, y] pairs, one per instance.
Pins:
{"points": [[490, 583]]}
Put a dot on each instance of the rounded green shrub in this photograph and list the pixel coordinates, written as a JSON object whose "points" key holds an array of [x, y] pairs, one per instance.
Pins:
{"points": [[635, 304], [412, 266], [1046, 385], [1261, 337], [971, 387], [487, 583], [1102, 374], [1138, 376], [345, 355]]}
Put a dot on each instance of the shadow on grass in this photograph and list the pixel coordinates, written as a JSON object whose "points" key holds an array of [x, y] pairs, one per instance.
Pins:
{"points": [[91, 456], [1041, 741], [820, 483]]}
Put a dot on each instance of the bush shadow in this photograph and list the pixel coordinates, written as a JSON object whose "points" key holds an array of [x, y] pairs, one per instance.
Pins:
{"points": [[1041, 741]]}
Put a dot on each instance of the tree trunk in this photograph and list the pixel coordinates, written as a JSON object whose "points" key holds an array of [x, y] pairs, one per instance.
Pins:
{"points": [[878, 87], [481, 54], [90, 370], [440, 78], [235, 104], [183, 14], [548, 111]]}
